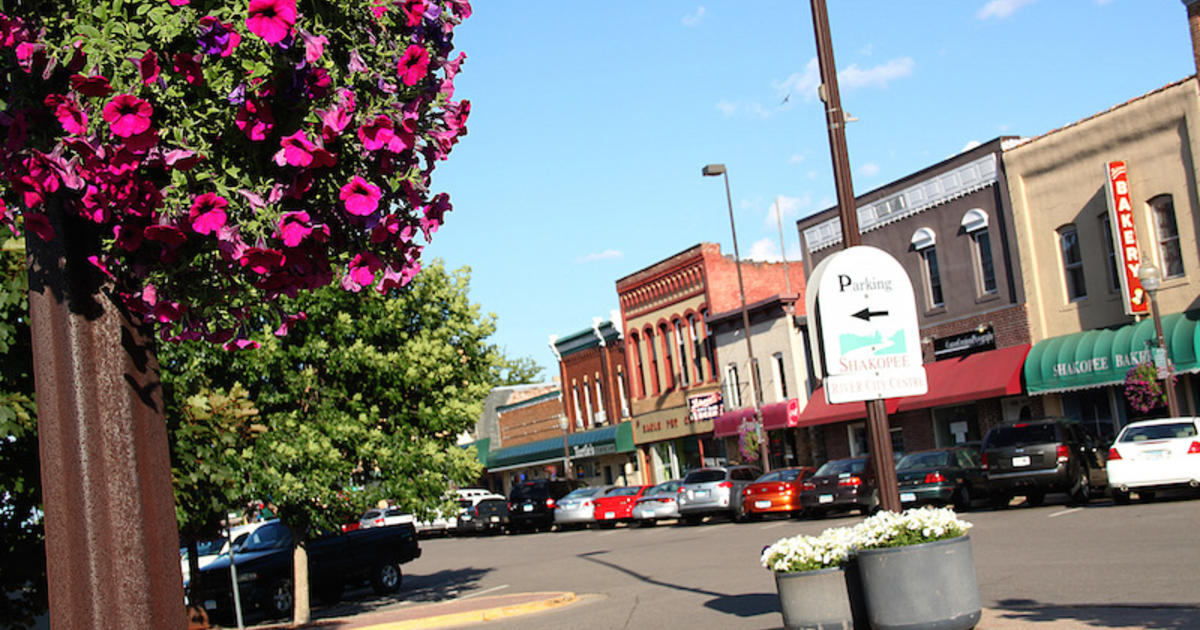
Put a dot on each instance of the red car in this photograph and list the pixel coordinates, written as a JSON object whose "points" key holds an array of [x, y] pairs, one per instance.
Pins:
{"points": [[775, 492], [617, 505]]}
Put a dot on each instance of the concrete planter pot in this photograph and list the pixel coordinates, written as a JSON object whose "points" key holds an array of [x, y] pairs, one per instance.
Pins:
{"points": [[930, 586], [825, 599]]}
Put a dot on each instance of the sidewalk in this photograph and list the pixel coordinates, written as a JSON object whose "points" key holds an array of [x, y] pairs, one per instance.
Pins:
{"points": [[1019, 615]]}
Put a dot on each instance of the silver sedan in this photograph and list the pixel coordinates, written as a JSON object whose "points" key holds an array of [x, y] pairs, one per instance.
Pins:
{"points": [[658, 503], [576, 508]]}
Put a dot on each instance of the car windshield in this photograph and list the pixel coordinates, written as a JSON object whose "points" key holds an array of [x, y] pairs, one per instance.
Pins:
{"points": [[528, 490], [1021, 435], [842, 467], [705, 476], [582, 493], [788, 474], [918, 461], [268, 537], [665, 487], [1158, 432], [465, 504], [370, 514], [626, 491], [210, 547]]}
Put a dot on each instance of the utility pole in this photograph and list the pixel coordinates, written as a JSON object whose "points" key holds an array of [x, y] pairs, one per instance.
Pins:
{"points": [[879, 437]]}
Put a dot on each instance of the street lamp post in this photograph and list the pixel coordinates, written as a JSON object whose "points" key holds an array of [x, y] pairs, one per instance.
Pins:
{"points": [[712, 170], [563, 423], [1151, 280]]}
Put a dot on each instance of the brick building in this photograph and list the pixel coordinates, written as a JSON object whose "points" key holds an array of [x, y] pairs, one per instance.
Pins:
{"points": [[670, 354], [950, 226]]}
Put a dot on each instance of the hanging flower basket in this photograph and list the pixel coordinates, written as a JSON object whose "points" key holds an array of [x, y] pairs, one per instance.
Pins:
{"points": [[748, 443], [1143, 389]]}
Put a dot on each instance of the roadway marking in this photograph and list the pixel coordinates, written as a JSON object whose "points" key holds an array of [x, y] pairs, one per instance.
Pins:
{"points": [[774, 525], [489, 590], [1067, 511]]}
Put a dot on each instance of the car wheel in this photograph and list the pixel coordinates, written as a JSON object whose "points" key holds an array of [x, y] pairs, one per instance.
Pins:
{"points": [[1035, 498], [692, 520], [280, 598], [999, 501], [386, 578], [962, 499], [1120, 497], [1083, 491]]}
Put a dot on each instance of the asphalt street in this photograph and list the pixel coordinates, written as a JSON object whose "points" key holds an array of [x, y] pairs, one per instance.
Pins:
{"points": [[1101, 563]]}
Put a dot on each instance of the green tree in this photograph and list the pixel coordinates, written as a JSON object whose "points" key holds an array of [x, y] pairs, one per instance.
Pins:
{"points": [[22, 552], [518, 371], [362, 400]]}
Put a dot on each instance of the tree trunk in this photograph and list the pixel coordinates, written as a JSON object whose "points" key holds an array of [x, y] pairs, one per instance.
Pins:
{"points": [[303, 612], [112, 544]]}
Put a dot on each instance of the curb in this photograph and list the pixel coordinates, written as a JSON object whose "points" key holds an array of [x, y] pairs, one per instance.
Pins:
{"points": [[480, 615]]}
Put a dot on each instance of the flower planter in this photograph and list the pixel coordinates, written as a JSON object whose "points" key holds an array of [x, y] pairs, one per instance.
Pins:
{"points": [[930, 586], [824, 599]]}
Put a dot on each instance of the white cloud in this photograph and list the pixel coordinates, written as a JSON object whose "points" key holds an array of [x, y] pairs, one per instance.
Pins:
{"points": [[1001, 8], [608, 254], [727, 108], [878, 76], [693, 18], [796, 158], [767, 250], [866, 51], [801, 84], [789, 207], [870, 169]]}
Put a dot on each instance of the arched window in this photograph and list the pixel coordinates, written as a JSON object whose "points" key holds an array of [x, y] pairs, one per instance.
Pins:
{"points": [[923, 240], [681, 344], [640, 382], [664, 333], [655, 386], [975, 224]]}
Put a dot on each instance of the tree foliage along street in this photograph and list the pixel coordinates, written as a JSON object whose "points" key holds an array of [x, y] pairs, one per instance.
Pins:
{"points": [[22, 552], [363, 400]]}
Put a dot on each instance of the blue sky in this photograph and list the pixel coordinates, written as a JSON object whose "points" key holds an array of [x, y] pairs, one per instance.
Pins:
{"points": [[591, 120]]}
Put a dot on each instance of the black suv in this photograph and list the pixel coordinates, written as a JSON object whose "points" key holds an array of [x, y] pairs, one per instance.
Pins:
{"points": [[1033, 457], [531, 503]]}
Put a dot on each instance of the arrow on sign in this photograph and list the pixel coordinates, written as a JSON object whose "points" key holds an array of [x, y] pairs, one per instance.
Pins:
{"points": [[866, 314]]}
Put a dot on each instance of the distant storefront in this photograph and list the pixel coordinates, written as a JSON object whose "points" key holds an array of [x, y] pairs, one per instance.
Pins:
{"points": [[603, 456]]}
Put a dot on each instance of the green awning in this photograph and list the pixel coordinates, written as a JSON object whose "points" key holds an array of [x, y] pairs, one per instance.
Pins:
{"points": [[483, 449], [1095, 358], [617, 438]]}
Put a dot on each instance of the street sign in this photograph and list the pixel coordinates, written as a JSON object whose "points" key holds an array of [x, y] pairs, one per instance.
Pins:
{"points": [[870, 341]]}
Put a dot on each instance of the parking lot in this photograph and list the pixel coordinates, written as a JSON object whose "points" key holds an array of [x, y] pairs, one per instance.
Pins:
{"points": [[1101, 564]]}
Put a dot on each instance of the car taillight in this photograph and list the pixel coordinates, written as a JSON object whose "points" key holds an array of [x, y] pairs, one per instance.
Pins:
{"points": [[475, 510], [1064, 453], [850, 481], [510, 508], [377, 522], [549, 504], [680, 490], [935, 477], [1114, 455], [746, 492], [725, 484], [587, 503], [809, 485], [983, 461], [1194, 448]]}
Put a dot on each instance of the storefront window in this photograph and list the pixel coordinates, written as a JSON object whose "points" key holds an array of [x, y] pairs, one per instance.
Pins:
{"points": [[1093, 409], [955, 425]]}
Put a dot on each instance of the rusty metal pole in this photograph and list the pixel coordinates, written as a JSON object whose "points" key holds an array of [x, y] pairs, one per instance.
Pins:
{"points": [[879, 437], [111, 536]]}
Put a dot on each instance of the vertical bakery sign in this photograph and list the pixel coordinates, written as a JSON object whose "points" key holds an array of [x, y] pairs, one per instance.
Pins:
{"points": [[1124, 234]]}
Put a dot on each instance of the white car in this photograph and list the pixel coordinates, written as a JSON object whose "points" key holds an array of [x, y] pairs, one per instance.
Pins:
{"points": [[382, 517], [447, 523], [1152, 455], [210, 550]]}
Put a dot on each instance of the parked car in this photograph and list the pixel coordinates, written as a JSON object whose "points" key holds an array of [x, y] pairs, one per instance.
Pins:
{"points": [[531, 503], [264, 566], [486, 513], [1154, 455], [943, 476], [1034, 457], [577, 508], [616, 505], [716, 490], [382, 517], [776, 492], [209, 550], [841, 484], [659, 502]]}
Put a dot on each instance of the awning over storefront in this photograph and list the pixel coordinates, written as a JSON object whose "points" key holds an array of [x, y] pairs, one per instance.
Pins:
{"points": [[726, 424], [1095, 358], [780, 415], [605, 440], [817, 411], [976, 376]]}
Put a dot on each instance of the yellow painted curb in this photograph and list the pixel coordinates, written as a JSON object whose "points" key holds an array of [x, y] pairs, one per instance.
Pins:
{"points": [[474, 616]]}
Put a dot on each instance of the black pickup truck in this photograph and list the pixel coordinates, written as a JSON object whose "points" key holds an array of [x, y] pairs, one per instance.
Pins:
{"points": [[264, 568]]}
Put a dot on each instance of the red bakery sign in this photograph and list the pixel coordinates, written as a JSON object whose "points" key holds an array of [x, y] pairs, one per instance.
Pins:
{"points": [[1120, 215]]}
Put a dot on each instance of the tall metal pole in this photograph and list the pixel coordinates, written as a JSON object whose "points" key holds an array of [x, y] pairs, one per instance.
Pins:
{"points": [[1172, 401], [787, 278], [878, 435], [755, 383]]}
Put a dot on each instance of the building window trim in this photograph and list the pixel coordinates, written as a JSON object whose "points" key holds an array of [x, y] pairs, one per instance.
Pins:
{"points": [[733, 394], [1166, 235], [779, 370], [1071, 256], [681, 345]]}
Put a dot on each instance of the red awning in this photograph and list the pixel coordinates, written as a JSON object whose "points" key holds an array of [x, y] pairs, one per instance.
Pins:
{"points": [[726, 424], [781, 415], [975, 376], [817, 411]]}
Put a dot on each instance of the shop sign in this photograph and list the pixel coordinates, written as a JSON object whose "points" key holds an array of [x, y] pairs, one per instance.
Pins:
{"points": [[668, 424], [966, 343], [1124, 233], [592, 450], [705, 406]]}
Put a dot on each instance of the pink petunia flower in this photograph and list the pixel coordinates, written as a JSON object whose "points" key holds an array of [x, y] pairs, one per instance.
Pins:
{"points": [[178, 3], [271, 20], [73, 119], [91, 86], [255, 119], [127, 115], [147, 67], [168, 234], [361, 272], [413, 11], [414, 65], [207, 213], [294, 228], [314, 45], [186, 65], [39, 224], [376, 134], [361, 197], [286, 325], [241, 344], [261, 260]]}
